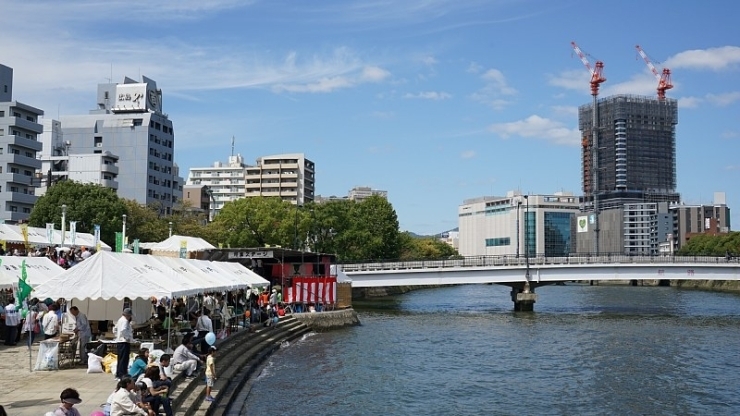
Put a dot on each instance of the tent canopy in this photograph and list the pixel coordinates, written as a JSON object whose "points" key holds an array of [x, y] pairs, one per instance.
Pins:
{"points": [[239, 272], [38, 236], [175, 242], [108, 275], [38, 270]]}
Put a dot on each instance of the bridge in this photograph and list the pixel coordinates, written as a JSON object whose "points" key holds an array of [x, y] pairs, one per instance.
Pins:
{"points": [[525, 274]]}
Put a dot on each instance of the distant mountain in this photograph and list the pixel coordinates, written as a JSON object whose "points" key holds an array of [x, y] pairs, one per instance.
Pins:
{"points": [[413, 234]]}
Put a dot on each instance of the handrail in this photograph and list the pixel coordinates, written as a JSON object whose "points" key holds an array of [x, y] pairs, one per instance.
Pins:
{"points": [[539, 260]]}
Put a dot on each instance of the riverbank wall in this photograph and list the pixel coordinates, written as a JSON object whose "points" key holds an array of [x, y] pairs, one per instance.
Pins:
{"points": [[710, 285], [323, 321]]}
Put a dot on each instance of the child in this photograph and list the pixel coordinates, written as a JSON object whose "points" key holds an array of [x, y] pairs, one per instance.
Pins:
{"points": [[210, 373]]}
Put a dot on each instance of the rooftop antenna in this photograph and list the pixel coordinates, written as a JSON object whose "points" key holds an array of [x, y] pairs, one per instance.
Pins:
{"points": [[232, 145]]}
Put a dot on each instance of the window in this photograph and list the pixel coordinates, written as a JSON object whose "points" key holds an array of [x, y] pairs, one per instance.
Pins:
{"points": [[13, 208], [29, 118], [17, 114], [13, 189], [98, 141], [97, 152], [2, 113], [27, 172], [14, 170], [137, 122], [26, 210], [497, 242], [15, 151], [2, 132], [30, 154]]}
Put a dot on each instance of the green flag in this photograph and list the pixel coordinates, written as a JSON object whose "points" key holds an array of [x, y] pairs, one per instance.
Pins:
{"points": [[24, 289]]}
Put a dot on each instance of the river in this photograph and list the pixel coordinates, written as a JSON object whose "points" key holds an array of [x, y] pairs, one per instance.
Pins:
{"points": [[586, 350]]}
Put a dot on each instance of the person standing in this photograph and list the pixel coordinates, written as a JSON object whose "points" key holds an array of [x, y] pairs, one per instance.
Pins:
{"points": [[12, 321], [82, 331], [210, 373], [203, 327], [124, 338], [50, 322]]}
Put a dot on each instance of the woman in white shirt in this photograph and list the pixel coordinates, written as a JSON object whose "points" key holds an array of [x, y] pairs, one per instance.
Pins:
{"points": [[123, 400]]}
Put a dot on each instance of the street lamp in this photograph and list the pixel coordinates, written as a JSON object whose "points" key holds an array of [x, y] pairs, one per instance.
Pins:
{"points": [[123, 232], [518, 208], [526, 238], [64, 221], [170, 228], [295, 228]]}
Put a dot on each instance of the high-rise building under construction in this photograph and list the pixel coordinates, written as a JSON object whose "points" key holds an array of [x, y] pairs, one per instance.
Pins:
{"points": [[636, 165]]}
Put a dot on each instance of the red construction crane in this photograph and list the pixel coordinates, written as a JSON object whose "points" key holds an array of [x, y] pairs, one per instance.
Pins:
{"points": [[664, 79], [596, 72]]}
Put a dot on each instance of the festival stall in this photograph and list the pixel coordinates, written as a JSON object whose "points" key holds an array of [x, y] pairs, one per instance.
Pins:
{"points": [[173, 246], [42, 237], [38, 270]]}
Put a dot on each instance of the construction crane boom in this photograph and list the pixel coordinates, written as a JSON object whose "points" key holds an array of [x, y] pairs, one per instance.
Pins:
{"points": [[597, 76], [664, 78]]}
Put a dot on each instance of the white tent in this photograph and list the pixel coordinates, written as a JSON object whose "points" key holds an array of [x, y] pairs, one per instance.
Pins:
{"points": [[191, 269], [240, 272], [38, 270], [38, 236], [175, 242]]}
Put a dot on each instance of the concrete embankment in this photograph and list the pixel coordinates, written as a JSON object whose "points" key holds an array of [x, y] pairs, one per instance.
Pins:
{"points": [[712, 285], [328, 320]]}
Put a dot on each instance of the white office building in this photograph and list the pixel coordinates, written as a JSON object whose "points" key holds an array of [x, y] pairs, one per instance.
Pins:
{"points": [[224, 181], [129, 123], [507, 226], [19, 145], [289, 176], [360, 193]]}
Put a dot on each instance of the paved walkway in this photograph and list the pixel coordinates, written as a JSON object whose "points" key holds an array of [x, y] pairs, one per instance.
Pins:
{"points": [[25, 393]]}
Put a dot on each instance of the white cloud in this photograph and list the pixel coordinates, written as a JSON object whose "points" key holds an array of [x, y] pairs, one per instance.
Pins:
{"points": [[724, 99], [468, 154], [496, 87], [642, 84], [577, 80], [429, 60], [565, 110], [732, 167], [322, 85], [374, 74], [538, 127], [497, 80], [689, 102], [729, 134], [429, 95], [715, 59], [474, 68]]}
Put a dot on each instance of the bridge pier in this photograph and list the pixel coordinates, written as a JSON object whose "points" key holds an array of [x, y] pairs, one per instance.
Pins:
{"points": [[523, 297]]}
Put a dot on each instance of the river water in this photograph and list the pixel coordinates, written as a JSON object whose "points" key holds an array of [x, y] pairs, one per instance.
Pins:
{"points": [[586, 350]]}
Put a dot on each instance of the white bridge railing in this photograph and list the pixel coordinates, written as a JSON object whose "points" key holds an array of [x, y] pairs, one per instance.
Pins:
{"points": [[521, 261]]}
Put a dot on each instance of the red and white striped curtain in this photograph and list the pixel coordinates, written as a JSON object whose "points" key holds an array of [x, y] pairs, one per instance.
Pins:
{"points": [[312, 290]]}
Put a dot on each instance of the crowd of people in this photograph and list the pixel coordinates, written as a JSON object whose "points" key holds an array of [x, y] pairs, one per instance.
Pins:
{"points": [[65, 257]]}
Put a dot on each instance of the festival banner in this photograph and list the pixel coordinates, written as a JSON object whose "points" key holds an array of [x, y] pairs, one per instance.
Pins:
{"points": [[119, 241], [136, 246], [24, 231], [24, 289], [184, 249], [96, 228], [72, 231]]}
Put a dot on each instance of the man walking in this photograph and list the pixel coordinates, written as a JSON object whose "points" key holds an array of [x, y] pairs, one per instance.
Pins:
{"points": [[82, 331], [12, 321], [124, 338]]}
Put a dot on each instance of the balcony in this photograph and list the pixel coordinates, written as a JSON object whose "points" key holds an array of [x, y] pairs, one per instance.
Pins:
{"points": [[113, 169], [15, 178], [21, 198], [20, 160], [25, 143], [28, 125], [107, 183]]}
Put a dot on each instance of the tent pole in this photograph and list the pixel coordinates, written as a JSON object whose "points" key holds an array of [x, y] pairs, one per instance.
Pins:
{"points": [[169, 327]]}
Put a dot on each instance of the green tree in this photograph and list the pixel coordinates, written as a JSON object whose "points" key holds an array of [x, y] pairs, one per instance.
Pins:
{"points": [[87, 204], [257, 222], [427, 248], [144, 222], [372, 233], [712, 245]]}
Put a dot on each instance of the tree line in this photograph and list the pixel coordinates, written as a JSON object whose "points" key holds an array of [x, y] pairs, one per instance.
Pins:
{"points": [[353, 231]]}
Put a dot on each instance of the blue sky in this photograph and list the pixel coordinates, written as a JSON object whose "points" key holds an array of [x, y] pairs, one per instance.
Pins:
{"points": [[435, 101]]}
